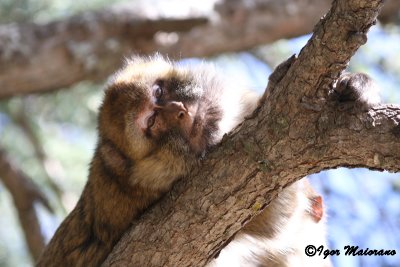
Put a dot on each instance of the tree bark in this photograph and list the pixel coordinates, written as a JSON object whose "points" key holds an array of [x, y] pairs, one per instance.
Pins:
{"points": [[39, 58], [297, 130]]}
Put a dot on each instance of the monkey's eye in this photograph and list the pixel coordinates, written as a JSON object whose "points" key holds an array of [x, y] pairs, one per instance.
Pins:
{"points": [[158, 89]]}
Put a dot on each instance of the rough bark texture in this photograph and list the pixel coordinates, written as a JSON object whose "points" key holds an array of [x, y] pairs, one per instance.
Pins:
{"points": [[24, 194], [38, 58], [296, 131]]}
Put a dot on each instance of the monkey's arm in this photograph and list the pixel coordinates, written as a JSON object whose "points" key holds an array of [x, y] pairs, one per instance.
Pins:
{"points": [[107, 206]]}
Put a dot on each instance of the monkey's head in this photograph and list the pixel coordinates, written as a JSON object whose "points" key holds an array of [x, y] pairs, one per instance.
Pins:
{"points": [[152, 104]]}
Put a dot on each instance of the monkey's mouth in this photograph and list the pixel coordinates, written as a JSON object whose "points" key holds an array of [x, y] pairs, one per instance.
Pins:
{"points": [[150, 122], [173, 116]]}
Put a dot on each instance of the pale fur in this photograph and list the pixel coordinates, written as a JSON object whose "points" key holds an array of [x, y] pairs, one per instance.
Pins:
{"points": [[287, 247]]}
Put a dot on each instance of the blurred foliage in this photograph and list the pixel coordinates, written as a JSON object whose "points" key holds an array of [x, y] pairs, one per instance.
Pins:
{"points": [[64, 124], [21, 10]]}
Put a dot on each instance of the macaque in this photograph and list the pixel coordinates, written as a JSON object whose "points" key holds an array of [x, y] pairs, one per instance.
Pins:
{"points": [[157, 120], [155, 123]]}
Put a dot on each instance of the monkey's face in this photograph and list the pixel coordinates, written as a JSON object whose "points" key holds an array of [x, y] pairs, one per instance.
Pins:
{"points": [[152, 104], [166, 112]]}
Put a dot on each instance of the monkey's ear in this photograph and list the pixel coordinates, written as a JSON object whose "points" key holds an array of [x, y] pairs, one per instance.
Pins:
{"points": [[111, 98], [316, 209], [111, 94], [116, 90]]}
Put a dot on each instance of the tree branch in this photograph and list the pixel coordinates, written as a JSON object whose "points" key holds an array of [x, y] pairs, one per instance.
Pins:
{"points": [[46, 57], [25, 194], [296, 131], [39, 58]]}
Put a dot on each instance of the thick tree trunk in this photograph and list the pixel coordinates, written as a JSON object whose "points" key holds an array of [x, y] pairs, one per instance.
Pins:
{"points": [[38, 58], [296, 131]]}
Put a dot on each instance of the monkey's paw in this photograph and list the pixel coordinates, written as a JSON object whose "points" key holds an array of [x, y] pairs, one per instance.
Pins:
{"points": [[356, 90]]}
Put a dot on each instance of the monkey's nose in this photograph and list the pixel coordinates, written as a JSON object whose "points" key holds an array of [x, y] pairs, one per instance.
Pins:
{"points": [[177, 109]]}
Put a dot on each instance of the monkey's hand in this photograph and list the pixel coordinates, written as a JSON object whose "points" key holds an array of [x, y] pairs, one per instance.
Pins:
{"points": [[356, 90]]}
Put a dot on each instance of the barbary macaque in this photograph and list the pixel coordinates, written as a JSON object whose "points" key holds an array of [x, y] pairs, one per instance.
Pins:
{"points": [[156, 121]]}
